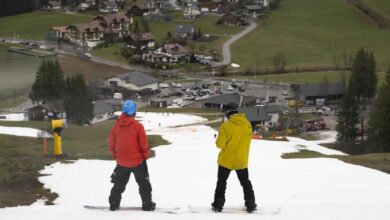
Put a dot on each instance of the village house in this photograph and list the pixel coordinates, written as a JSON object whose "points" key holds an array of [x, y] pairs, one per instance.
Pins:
{"points": [[103, 28], [117, 23], [142, 40], [191, 12], [185, 31], [134, 80], [233, 19], [168, 53], [87, 34]]}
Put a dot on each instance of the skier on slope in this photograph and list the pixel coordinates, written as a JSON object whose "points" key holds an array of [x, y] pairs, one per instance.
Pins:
{"points": [[234, 140], [129, 146]]}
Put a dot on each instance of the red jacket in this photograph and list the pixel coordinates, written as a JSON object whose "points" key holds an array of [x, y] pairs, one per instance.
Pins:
{"points": [[128, 142]]}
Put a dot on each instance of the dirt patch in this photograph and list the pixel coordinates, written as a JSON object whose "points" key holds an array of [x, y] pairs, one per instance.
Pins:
{"points": [[90, 70]]}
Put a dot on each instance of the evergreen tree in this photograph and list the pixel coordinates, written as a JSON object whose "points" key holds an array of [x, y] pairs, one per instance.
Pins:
{"points": [[78, 103], [363, 84], [347, 119], [378, 125], [49, 83]]}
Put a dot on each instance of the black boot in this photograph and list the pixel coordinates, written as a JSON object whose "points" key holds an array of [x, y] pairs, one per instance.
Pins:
{"points": [[148, 206], [114, 205], [250, 205], [217, 205]]}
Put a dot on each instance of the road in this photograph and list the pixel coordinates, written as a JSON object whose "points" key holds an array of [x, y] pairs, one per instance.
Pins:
{"points": [[227, 57]]}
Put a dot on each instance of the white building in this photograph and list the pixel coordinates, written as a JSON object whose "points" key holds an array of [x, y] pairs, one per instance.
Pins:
{"points": [[134, 80]]}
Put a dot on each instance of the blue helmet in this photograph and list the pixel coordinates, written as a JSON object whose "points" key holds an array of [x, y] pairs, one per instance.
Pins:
{"points": [[129, 107]]}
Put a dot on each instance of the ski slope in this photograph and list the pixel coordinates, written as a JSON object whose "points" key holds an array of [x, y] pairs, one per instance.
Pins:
{"points": [[184, 173]]}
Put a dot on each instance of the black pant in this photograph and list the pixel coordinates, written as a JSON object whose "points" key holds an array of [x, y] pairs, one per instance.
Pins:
{"points": [[120, 178], [243, 176]]}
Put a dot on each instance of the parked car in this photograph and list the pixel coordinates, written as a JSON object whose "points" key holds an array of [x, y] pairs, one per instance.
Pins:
{"points": [[163, 85]]}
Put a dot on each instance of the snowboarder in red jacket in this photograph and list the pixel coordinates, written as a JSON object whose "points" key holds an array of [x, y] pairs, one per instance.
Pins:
{"points": [[129, 147]]}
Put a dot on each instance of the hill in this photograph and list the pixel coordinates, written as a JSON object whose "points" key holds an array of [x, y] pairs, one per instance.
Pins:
{"points": [[312, 33]]}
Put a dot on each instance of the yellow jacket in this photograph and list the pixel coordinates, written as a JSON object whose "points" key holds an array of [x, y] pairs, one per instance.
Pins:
{"points": [[234, 139]]}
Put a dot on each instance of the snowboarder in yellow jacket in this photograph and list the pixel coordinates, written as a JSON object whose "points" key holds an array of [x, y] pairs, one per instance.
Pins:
{"points": [[234, 140]]}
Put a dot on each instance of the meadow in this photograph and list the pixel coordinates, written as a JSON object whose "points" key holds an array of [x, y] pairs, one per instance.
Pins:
{"points": [[312, 34]]}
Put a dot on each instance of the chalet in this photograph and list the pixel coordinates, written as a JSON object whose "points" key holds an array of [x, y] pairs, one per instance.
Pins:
{"points": [[142, 40], [103, 28], [233, 19], [267, 116], [87, 34], [168, 53], [184, 31], [117, 23], [101, 112], [134, 80], [191, 13]]}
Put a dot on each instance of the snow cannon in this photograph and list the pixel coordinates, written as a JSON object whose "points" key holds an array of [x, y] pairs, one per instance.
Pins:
{"points": [[57, 125]]}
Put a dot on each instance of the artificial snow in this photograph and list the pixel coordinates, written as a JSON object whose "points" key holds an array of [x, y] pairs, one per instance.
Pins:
{"points": [[25, 132], [185, 172]]}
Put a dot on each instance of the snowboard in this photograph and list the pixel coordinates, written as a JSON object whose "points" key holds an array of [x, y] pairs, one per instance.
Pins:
{"points": [[261, 210], [171, 210]]}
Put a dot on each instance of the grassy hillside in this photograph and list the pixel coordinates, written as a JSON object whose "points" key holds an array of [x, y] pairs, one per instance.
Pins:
{"points": [[312, 33], [35, 25], [380, 6]]}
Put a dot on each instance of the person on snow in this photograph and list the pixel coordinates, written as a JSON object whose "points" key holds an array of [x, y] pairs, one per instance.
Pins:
{"points": [[234, 140], [129, 146]]}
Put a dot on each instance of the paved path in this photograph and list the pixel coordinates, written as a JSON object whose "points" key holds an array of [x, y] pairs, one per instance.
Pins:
{"points": [[227, 57]]}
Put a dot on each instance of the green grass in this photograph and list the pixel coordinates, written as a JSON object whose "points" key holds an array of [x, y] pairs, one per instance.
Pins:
{"points": [[378, 161], [112, 53], [35, 25], [312, 33]]}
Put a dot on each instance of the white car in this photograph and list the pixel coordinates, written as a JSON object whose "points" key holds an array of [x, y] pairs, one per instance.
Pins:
{"points": [[229, 88], [163, 85]]}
